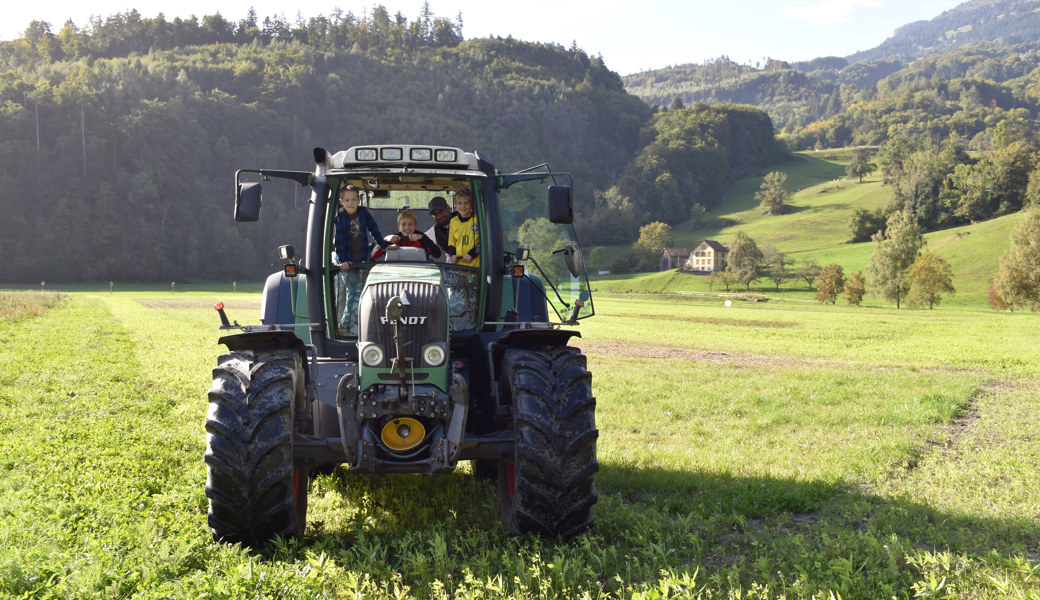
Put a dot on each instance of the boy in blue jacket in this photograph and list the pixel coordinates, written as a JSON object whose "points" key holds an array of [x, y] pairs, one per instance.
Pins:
{"points": [[353, 224]]}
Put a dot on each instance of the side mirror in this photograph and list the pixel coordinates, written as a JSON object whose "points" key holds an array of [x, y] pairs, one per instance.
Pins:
{"points": [[572, 256], [247, 202], [561, 207], [286, 252]]}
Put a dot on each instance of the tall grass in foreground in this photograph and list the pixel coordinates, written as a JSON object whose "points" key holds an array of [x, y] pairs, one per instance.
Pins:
{"points": [[750, 452]]}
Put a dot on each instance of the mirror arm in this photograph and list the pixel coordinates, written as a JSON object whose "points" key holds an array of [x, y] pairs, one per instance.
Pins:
{"points": [[549, 281]]}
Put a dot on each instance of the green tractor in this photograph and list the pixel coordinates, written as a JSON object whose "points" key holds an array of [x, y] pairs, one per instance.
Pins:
{"points": [[432, 362]]}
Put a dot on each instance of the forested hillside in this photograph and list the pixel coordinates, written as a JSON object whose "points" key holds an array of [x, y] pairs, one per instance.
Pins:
{"points": [[992, 23], [993, 41], [118, 142]]}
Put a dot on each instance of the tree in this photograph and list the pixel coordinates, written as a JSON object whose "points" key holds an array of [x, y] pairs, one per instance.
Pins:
{"points": [[611, 208], [923, 186], [724, 277], [855, 287], [864, 223], [930, 277], [995, 301], [542, 237], [1018, 277], [809, 271], [743, 259], [1032, 196], [771, 195], [697, 214], [893, 154], [653, 239], [894, 251], [860, 164], [776, 264], [832, 282]]}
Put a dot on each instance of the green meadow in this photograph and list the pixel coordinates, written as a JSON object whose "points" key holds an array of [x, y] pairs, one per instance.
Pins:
{"points": [[761, 450], [815, 226]]}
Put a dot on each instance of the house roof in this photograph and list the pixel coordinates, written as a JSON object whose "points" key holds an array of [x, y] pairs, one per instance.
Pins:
{"points": [[715, 245], [676, 252]]}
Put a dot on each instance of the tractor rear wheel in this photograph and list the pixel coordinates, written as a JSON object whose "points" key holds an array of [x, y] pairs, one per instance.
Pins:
{"points": [[255, 492], [549, 486]]}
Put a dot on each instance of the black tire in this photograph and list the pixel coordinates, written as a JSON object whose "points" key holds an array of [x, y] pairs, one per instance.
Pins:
{"points": [[549, 487], [255, 492]]}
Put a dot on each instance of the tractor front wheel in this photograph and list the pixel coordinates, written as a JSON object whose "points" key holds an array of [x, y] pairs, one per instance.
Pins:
{"points": [[255, 492], [549, 486]]}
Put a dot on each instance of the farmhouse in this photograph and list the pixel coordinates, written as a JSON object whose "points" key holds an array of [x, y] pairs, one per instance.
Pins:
{"points": [[674, 258], [708, 256]]}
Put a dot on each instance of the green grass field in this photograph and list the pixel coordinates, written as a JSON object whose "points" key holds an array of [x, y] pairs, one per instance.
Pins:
{"points": [[764, 450], [816, 226]]}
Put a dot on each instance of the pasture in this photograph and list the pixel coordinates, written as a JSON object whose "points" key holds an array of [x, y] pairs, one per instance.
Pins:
{"points": [[765, 450], [815, 226]]}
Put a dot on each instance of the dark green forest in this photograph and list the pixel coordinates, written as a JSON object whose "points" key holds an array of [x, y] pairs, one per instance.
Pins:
{"points": [[119, 141]]}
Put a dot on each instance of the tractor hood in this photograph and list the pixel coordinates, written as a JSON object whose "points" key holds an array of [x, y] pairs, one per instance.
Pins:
{"points": [[397, 272]]}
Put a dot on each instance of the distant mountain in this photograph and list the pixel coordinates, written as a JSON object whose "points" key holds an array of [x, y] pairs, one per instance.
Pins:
{"points": [[796, 94], [977, 22]]}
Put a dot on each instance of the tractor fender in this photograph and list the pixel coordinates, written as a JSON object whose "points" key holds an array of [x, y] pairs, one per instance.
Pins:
{"points": [[276, 302], [529, 338], [265, 340]]}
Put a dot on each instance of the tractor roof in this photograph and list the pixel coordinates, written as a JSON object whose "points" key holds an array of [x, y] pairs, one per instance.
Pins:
{"points": [[403, 156]]}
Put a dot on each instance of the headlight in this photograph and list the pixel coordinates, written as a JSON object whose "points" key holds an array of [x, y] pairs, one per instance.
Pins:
{"points": [[372, 355], [434, 355]]}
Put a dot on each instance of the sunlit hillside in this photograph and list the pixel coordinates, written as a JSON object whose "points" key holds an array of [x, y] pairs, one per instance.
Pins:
{"points": [[815, 226]]}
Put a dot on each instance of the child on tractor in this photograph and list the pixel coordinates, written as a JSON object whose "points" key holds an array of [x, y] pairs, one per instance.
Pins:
{"points": [[464, 233]]}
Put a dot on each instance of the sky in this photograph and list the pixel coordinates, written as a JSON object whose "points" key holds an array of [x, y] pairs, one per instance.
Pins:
{"points": [[630, 36]]}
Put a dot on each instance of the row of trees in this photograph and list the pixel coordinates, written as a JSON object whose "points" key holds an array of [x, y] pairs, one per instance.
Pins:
{"points": [[126, 33], [943, 185], [899, 270]]}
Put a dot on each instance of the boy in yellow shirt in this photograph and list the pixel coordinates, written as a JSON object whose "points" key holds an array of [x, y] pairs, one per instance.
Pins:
{"points": [[463, 232]]}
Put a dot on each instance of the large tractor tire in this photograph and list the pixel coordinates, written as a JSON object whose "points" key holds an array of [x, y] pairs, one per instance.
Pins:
{"points": [[255, 492], [549, 486]]}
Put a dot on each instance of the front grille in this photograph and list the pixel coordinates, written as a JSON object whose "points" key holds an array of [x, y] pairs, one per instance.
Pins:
{"points": [[424, 319]]}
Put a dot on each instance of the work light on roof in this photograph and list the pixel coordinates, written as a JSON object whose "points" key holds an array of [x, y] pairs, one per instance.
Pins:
{"points": [[420, 154], [446, 156], [391, 154], [367, 154]]}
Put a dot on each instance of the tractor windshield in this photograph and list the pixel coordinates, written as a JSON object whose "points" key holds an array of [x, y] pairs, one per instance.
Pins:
{"points": [[391, 200], [555, 256]]}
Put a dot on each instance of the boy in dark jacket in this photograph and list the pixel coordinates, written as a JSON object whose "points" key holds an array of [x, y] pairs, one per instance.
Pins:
{"points": [[353, 224]]}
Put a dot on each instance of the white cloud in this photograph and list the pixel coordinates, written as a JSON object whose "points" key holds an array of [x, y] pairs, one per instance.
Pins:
{"points": [[825, 12]]}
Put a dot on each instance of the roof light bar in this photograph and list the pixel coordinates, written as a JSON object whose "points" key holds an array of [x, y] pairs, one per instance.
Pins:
{"points": [[391, 155]]}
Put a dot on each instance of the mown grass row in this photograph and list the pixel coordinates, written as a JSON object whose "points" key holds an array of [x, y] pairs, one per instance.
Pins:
{"points": [[750, 452]]}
